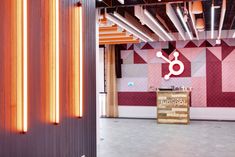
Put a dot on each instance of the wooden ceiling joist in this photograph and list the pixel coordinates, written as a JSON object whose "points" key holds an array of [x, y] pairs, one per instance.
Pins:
{"points": [[114, 34], [118, 42], [108, 29], [116, 38], [103, 21]]}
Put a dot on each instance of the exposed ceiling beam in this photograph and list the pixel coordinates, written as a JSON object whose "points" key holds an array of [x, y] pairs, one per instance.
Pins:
{"points": [[114, 34], [111, 38], [119, 42], [125, 27], [127, 22], [148, 15], [136, 22], [222, 16], [146, 2], [108, 29], [163, 22], [171, 14], [139, 13], [184, 23]]}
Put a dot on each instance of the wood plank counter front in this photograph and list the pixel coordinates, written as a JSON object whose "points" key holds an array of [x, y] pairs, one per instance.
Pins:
{"points": [[173, 107]]}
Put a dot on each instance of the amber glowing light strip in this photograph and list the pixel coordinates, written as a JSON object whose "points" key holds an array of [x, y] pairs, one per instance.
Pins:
{"points": [[25, 60], [78, 62], [81, 63], [57, 106], [22, 73], [54, 61]]}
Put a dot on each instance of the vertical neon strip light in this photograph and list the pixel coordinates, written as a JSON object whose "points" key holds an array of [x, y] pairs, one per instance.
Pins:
{"points": [[57, 83], [81, 61], [78, 61], [22, 64], [19, 62], [25, 66], [54, 68]]}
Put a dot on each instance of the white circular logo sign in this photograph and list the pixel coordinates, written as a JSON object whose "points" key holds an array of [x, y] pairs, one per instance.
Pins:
{"points": [[173, 63]]}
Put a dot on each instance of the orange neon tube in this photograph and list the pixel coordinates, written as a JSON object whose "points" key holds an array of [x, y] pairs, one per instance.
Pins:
{"points": [[78, 62], [22, 65]]}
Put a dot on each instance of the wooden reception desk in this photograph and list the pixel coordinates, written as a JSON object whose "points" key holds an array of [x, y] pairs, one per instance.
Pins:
{"points": [[173, 107]]}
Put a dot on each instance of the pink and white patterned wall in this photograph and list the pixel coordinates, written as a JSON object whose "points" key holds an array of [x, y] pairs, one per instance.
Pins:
{"points": [[209, 70]]}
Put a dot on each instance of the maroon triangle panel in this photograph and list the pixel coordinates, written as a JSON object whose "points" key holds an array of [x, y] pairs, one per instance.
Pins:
{"points": [[206, 44], [190, 44], [147, 46], [226, 49], [138, 59]]}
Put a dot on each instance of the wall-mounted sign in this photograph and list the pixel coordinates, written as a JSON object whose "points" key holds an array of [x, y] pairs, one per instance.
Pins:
{"points": [[173, 63], [131, 84]]}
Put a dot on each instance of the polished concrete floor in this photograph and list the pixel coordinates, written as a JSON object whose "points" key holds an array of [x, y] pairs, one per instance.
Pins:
{"points": [[146, 138]]}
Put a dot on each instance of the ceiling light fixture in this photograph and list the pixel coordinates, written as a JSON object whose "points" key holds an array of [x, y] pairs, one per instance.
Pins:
{"points": [[234, 35], [222, 16], [184, 23], [121, 18], [121, 1], [157, 24], [197, 7], [123, 26], [200, 24], [212, 20]]}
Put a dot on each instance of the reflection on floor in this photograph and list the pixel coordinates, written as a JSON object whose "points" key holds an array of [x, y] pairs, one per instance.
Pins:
{"points": [[146, 138]]}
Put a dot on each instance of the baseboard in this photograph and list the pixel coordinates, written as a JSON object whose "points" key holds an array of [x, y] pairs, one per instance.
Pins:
{"points": [[207, 113]]}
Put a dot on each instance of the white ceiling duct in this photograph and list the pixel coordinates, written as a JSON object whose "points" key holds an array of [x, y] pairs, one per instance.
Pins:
{"points": [[222, 15], [184, 23], [139, 13], [157, 24], [124, 20], [171, 14], [126, 27]]}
